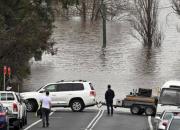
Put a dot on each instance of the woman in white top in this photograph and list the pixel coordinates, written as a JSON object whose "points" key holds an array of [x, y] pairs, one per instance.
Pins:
{"points": [[45, 108]]}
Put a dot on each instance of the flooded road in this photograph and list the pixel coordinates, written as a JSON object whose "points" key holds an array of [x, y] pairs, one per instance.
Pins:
{"points": [[124, 64]]}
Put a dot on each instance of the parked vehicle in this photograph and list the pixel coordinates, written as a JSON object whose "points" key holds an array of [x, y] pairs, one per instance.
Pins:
{"points": [[16, 109], [165, 117], [174, 124], [169, 97], [3, 118], [75, 94], [139, 102]]}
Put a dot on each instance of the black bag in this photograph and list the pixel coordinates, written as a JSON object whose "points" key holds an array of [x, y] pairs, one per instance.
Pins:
{"points": [[39, 112]]}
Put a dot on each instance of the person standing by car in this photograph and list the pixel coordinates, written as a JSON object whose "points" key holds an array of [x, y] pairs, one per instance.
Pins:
{"points": [[109, 95], [46, 107]]}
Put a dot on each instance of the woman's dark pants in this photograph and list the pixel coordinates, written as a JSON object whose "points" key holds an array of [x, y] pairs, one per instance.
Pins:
{"points": [[45, 116]]}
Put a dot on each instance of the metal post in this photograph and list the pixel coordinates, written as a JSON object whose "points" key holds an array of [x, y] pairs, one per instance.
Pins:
{"points": [[18, 90], [5, 71], [4, 82], [104, 23]]}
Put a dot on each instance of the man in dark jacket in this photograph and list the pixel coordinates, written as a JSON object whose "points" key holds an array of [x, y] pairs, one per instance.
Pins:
{"points": [[109, 95]]}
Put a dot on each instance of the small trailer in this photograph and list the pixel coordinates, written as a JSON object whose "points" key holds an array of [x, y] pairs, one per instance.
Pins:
{"points": [[139, 102]]}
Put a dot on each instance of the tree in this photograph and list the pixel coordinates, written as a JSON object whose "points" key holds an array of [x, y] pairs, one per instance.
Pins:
{"points": [[145, 22], [25, 28]]}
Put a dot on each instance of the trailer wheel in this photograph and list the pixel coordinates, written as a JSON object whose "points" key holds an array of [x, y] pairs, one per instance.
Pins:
{"points": [[150, 111], [141, 111], [135, 109]]}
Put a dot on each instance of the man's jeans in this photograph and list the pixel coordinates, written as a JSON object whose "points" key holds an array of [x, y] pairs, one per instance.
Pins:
{"points": [[109, 105], [45, 116]]}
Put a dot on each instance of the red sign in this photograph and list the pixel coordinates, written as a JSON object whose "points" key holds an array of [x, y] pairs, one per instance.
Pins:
{"points": [[5, 70], [9, 71]]}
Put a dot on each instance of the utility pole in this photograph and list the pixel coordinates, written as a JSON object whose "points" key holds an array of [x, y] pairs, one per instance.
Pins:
{"points": [[5, 71], [104, 22]]}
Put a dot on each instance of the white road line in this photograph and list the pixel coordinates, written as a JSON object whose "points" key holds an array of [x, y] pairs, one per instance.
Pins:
{"points": [[97, 120], [93, 120], [33, 124], [150, 123]]}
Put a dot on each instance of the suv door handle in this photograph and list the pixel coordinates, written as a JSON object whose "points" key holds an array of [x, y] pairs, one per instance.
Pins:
{"points": [[53, 95]]}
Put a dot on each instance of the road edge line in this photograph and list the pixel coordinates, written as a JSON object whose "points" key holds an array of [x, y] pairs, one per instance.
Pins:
{"points": [[150, 123], [97, 120], [33, 124], [99, 112]]}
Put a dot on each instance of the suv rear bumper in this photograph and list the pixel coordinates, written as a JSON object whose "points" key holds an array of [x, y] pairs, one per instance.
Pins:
{"points": [[90, 105], [13, 120], [11, 116], [90, 102]]}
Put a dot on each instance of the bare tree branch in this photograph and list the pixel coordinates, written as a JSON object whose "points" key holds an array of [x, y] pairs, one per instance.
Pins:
{"points": [[145, 23]]}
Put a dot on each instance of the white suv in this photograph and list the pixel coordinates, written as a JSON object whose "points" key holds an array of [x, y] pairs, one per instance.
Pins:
{"points": [[75, 94]]}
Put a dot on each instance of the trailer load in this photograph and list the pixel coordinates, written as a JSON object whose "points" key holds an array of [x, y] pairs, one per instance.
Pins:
{"points": [[139, 102]]}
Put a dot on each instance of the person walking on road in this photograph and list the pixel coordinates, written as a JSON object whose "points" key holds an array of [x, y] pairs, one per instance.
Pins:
{"points": [[109, 95], [46, 108]]}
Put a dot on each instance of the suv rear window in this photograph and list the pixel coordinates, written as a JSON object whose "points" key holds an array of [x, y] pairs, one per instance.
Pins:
{"points": [[6, 97], [91, 86], [70, 87]]}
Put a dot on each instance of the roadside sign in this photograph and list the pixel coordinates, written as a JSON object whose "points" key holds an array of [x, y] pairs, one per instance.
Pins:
{"points": [[9, 71], [6, 70]]}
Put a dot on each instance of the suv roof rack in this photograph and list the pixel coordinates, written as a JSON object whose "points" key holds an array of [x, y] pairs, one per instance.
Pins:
{"points": [[80, 80], [71, 81], [60, 81]]}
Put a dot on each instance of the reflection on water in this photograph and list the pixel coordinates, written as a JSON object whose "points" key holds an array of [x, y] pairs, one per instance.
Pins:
{"points": [[124, 63]]}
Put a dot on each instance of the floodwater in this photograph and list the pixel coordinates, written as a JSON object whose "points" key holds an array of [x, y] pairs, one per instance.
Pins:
{"points": [[124, 64]]}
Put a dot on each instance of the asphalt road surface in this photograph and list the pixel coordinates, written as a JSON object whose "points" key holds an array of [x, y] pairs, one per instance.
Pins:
{"points": [[89, 120]]}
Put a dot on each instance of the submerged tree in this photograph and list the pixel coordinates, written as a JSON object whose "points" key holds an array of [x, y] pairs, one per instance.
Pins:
{"points": [[145, 22], [85, 8], [91, 8], [176, 6]]}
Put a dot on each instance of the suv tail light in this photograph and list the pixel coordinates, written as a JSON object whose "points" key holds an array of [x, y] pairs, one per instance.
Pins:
{"points": [[165, 124], [92, 93], [15, 107], [2, 113], [2, 126]]}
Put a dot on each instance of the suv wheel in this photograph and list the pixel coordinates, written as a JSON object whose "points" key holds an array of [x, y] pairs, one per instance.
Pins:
{"points": [[5, 127], [21, 123], [77, 105], [30, 106], [16, 125], [25, 120]]}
